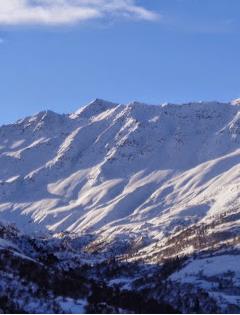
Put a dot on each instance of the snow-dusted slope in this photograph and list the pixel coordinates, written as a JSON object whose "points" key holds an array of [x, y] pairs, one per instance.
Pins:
{"points": [[121, 170]]}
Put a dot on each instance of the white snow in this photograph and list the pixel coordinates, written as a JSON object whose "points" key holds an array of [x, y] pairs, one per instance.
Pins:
{"points": [[112, 168], [209, 267], [218, 275]]}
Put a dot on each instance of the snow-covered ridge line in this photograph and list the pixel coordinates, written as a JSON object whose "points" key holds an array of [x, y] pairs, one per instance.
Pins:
{"points": [[102, 105]]}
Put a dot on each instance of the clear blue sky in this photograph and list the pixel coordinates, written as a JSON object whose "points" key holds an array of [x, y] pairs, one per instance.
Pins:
{"points": [[184, 50]]}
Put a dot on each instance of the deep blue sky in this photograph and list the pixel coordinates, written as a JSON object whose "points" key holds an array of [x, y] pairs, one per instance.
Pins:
{"points": [[190, 53]]}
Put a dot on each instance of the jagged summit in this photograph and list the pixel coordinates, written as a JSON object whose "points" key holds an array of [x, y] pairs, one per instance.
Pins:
{"points": [[95, 107]]}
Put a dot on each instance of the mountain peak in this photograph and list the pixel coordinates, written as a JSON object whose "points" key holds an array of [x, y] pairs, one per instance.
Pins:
{"points": [[95, 107], [100, 101]]}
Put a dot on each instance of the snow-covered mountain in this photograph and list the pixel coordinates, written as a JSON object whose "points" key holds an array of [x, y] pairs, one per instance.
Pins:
{"points": [[141, 182], [115, 169]]}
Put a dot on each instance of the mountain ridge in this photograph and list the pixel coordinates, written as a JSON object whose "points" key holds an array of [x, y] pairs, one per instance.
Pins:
{"points": [[107, 147], [133, 197]]}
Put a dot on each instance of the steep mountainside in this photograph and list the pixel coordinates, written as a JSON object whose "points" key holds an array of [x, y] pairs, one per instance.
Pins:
{"points": [[114, 168], [143, 184]]}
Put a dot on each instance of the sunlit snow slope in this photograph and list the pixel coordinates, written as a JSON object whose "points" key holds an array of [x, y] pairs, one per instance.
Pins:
{"points": [[114, 169]]}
